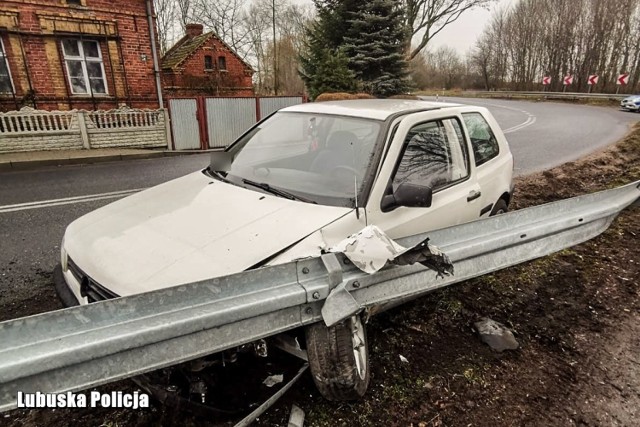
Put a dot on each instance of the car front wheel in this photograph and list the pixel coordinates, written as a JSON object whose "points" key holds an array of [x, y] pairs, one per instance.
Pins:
{"points": [[339, 359], [500, 208]]}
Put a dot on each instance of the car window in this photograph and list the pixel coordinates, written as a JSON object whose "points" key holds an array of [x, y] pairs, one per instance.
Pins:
{"points": [[323, 158], [435, 155], [484, 143]]}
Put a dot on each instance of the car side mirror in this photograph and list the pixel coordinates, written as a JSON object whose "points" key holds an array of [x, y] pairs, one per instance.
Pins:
{"points": [[409, 195]]}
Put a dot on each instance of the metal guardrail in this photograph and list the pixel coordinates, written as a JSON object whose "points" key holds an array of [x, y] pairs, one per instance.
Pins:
{"points": [[82, 347], [551, 95]]}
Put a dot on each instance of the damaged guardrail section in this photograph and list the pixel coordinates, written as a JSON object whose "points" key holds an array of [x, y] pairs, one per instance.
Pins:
{"points": [[82, 347]]}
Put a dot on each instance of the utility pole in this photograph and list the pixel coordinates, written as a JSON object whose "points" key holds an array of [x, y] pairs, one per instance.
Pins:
{"points": [[275, 53]]}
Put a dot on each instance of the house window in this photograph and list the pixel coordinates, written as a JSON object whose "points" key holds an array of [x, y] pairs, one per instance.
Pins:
{"points": [[75, 2], [208, 62], [222, 63], [6, 85], [85, 69]]}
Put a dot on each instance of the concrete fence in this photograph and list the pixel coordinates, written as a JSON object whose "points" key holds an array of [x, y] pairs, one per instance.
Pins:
{"points": [[35, 130]]}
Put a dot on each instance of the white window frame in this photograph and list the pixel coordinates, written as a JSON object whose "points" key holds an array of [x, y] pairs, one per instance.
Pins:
{"points": [[83, 61], [3, 57]]}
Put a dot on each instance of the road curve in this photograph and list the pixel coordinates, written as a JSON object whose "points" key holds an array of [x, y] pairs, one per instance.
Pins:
{"points": [[546, 134]]}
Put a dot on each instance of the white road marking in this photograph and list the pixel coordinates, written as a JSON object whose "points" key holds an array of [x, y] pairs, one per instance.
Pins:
{"points": [[67, 200], [531, 119]]}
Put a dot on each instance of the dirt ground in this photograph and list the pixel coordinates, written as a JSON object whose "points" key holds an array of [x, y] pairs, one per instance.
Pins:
{"points": [[576, 315]]}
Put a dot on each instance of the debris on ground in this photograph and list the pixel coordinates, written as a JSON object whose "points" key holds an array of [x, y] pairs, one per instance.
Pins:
{"points": [[296, 419], [272, 380], [496, 335]]}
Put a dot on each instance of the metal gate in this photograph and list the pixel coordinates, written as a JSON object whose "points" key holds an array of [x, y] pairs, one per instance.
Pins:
{"points": [[207, 122], [185, 125], [228, 118], [273, 103]]}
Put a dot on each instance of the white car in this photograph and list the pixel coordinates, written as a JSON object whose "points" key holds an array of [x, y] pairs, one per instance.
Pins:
{"points": [[631, 103], [300, 181]]}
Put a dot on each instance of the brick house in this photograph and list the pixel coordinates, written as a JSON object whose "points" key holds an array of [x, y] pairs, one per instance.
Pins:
{"points": [[76, 54], [202, 64]]}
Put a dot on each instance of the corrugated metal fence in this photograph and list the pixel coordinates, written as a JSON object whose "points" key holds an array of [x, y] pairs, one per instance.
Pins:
{"points": [[209, 122]]}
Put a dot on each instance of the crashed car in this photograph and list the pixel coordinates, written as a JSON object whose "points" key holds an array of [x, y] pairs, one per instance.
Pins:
{"points": [[293, 186], [631, 103]]}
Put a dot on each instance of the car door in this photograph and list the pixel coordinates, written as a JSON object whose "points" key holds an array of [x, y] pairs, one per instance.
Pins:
{"points": [[490, 167], [430, 153]]}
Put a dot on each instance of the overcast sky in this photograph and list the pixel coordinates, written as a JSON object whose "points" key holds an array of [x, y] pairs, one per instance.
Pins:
{"points": [[462, 34]]}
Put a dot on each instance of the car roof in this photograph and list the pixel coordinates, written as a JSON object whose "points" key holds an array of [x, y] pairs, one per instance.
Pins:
{"points": [[378, 109]]}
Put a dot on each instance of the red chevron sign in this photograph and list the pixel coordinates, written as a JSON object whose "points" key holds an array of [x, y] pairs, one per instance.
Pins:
{"points": [[622, 79], [546, 80], [593, 79], [567, 80]]}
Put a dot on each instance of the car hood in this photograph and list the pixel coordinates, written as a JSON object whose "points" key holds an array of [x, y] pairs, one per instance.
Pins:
{"points": [[185, 230], [632, 98]]}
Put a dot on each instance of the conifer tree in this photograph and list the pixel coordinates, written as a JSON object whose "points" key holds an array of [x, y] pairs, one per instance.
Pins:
{"points": [[324, 68], [355, 44], [374, 44]]}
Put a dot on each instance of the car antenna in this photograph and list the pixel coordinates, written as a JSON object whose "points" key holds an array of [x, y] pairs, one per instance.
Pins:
{"points": [[355, 187]]}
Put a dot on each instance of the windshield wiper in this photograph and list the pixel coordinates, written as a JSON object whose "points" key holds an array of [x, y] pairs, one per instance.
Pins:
{"points": [[276, 191]]}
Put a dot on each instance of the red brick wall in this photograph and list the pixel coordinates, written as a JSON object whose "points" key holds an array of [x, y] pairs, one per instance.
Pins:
{"points": [[191, 78], [31, 31]]}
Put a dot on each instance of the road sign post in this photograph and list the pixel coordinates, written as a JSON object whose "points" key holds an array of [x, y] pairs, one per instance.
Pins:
{"points": [[592, 81], [546, 81], [568, 79], [622, 80]]}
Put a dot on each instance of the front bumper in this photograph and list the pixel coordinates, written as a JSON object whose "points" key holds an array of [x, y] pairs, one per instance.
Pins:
{"points": [[63, 290], [629, 106]]}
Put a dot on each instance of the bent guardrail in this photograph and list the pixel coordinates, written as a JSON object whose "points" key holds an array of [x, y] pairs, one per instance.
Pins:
{"points": [[82, 347]]}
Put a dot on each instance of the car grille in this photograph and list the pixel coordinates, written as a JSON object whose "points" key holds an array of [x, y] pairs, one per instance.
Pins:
{"points": [[88, 287]]}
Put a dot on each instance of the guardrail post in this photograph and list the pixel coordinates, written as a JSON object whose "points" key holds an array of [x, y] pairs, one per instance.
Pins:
{"points": [[82, 125]]}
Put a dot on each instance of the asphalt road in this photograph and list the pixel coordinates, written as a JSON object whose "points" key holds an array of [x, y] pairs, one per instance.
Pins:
{"points": [[547, 134], [541, 135]]}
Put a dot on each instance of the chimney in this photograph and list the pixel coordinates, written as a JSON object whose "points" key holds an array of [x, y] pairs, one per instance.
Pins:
{"points": [[194, 30]]}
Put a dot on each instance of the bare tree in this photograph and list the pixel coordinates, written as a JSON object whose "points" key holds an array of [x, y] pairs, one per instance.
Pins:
{"points": [[426, 18], [555, 38], [165, 21], [184, 10], [226, 18]]}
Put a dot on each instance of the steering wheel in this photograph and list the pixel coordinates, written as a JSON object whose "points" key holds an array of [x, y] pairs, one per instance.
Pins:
{"points": [[261, 171]]}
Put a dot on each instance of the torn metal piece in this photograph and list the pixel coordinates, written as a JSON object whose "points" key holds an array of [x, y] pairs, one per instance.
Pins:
{"points": [[339, 305], [296, 419], [272, 380], [429, 256], [496, 335], [370, 249]]}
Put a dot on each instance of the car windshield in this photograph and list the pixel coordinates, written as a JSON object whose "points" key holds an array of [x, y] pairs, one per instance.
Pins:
{"points": [[310, 157]]}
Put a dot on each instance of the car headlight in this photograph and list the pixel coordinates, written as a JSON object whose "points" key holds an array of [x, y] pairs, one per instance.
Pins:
{"points": [[64, 257]]}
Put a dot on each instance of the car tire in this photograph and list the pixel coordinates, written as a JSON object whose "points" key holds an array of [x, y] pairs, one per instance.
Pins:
{"points": [[339, 359], [499, 208]]}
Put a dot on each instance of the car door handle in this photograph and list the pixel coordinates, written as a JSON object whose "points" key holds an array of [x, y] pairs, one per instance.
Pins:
{"points": [[473, 194]]}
